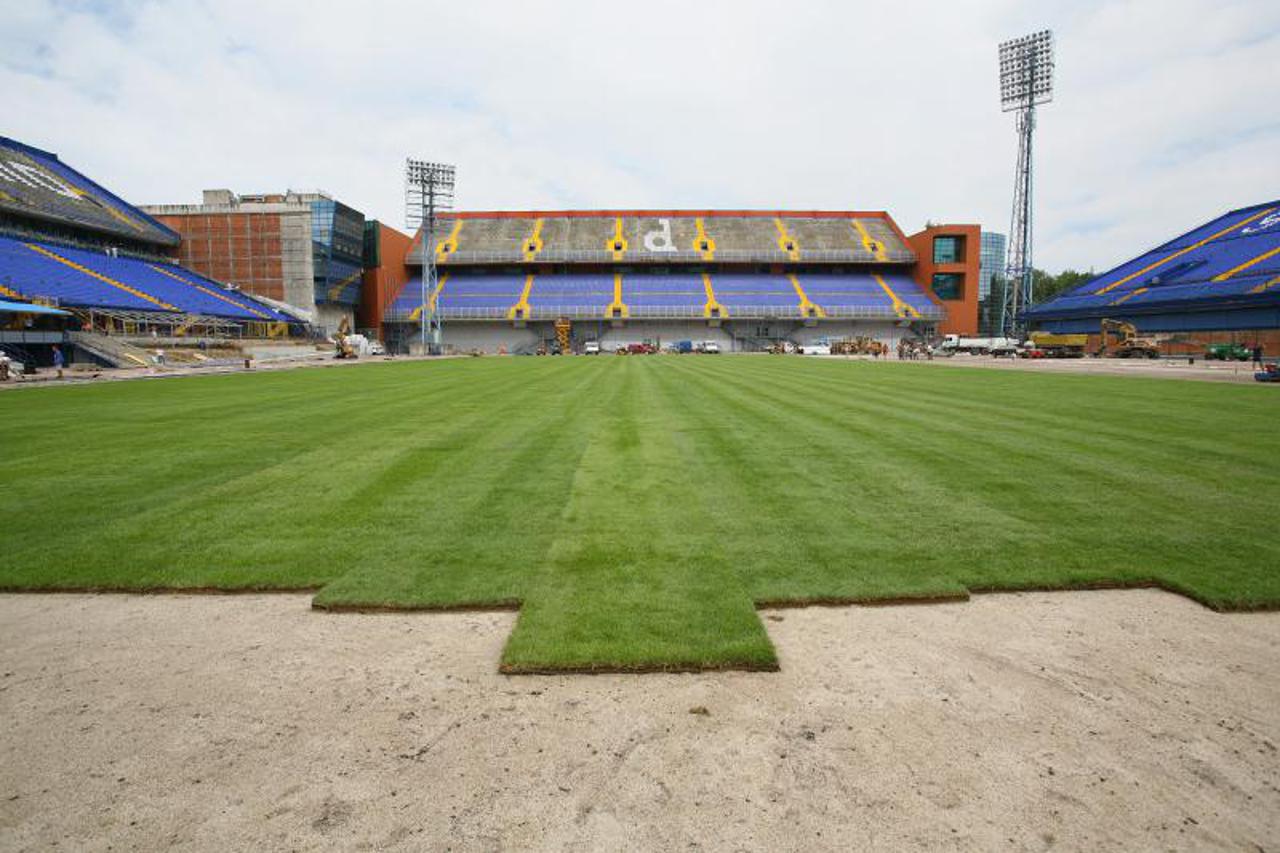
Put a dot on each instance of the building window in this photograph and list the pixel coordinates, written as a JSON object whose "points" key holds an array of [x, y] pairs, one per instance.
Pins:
{"points": [[948, 250], [948, 285]]}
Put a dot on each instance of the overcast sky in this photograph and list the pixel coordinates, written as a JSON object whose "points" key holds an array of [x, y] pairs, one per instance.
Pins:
{"points": [[1166, 110]]}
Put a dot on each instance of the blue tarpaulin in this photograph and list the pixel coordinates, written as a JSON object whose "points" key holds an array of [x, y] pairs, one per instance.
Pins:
{"points": [[28, 308]]}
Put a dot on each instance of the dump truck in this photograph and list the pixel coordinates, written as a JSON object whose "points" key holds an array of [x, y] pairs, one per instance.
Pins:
{"points": [[952, 344], [1060, 346]]}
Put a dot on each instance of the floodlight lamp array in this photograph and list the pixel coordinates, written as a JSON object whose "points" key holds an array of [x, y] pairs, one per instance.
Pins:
{"points": [[422, 173], [1026, 71]]}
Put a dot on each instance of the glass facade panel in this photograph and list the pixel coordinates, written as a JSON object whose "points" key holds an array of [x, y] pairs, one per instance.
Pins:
{"points": [[991, 261], [337, 242], [948, 285], [946, 250]]}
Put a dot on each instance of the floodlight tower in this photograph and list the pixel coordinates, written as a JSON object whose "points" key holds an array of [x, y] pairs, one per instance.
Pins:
{"points": [[428, 192], [1026, 81]]}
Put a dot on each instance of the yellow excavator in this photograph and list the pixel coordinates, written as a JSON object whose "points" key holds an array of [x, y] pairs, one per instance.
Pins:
{"points": [[1131, 344], [342, 347]]}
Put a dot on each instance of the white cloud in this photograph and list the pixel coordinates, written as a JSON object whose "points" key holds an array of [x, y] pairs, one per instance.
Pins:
{"points": [[1162, 118]]}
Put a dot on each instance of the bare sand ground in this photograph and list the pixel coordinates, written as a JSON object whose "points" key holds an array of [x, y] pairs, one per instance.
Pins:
{"points": [[1090, 720], [1171, 368]]}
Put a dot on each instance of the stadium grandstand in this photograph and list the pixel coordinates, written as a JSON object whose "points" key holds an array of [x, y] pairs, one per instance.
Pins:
{"points": [[1218, 282], [68, 243], [744, 279]]}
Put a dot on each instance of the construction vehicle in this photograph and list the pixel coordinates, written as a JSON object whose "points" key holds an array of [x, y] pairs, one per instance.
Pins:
{"points": [[1227, 352], [859, 345], [952, 344], [1131, 344], [564, 330], [341, 341], [1060, 346], [348, 344]]}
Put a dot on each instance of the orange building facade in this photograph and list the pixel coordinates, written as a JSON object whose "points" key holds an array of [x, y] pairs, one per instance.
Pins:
{"points": [[386, 272], [948, 270]]}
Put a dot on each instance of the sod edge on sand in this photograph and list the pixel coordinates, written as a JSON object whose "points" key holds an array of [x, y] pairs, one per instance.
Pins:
{"points": [[638, 510]]}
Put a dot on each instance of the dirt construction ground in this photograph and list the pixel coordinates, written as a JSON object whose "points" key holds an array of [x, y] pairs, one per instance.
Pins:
{"points": [[1090, 720]]}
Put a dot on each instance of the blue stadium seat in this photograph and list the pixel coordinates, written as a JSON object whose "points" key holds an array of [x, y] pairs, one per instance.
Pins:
{"points": [[1232, 258], [477, 295], [80, 278]]}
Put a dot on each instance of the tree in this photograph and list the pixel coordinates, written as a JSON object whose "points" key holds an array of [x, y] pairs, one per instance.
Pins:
{"points": [[1046, 286]]}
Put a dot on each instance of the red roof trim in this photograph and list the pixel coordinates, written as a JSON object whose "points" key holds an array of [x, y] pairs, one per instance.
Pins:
{"points": [[583, 214]]}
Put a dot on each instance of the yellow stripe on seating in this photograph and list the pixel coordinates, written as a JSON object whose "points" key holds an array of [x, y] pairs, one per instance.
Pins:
{"points": [[712, 306], [111, 210], [432, 299], [617, 244], [336, 290], [900, 308], [1129, 296], [876, 249], [617, 304], [1265, 286], [535, 240], [1149, 267], [522, 307], [215, 294], [100, 277], [701, 237], [1226, 275], [450, 244], [786, 242], [807, 308]]}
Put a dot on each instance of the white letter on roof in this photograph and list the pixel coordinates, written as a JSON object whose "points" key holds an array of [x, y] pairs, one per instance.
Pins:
{"points": [[659, 239]]}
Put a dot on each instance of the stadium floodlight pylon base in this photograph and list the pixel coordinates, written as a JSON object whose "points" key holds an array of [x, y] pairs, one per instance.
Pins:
{"points": [[1018, 291], [428, 192]]}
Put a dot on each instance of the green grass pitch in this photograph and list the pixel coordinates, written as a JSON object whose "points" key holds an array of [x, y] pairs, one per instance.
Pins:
{"points": [[637, 509]]}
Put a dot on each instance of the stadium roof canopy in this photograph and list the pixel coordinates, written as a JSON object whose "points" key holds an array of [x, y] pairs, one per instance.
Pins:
{"points": [[36, 185], [1224, 274]]}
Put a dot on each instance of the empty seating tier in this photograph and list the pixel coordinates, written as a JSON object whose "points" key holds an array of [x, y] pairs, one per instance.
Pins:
{"points": [[37, 184], [84, 279], [664, 295], [1232, 260], [668, 295], [675, 237], [571, 295], [862, 295]]}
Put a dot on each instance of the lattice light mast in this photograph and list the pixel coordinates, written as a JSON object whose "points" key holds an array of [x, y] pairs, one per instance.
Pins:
{"points": [[1026, 81], [428, 192]]}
